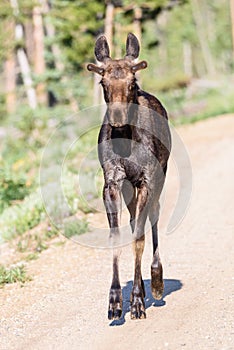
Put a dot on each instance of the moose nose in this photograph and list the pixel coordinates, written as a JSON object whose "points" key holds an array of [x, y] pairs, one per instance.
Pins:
{"points": [[117, 115]]}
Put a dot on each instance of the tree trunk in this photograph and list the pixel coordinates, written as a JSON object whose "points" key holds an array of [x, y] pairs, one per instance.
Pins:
{"points": [[162, 49], [118, 39], [29, 40], [10, 73], [98, 97], [50, 32], [26, 75], [10, 83], [137, 22], [39, 61], [109, 20], [202, 37], [23, 60]]}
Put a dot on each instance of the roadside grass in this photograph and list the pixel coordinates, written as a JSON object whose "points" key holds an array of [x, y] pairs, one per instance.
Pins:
{"points": [[30, 212], [21, 217], [13, 274], [75, 227], [28, 247]]}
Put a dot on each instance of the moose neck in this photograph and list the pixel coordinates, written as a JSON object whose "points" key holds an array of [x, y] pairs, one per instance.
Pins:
{"points": [[122, 140]]}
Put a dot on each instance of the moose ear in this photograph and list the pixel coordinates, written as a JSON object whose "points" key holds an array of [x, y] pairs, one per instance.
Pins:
{"points": [[93, 68], [102, 51], [132, 46], [139, 66]]}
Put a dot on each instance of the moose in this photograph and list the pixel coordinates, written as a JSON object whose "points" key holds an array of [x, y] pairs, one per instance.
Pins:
{"points": [[133, 148]]}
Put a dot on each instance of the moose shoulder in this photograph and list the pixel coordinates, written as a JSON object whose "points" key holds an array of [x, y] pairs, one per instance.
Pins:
{"points": [[134, 146]]}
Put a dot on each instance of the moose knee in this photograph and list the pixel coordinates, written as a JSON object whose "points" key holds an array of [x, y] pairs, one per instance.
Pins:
{"points": [[111, 192]]}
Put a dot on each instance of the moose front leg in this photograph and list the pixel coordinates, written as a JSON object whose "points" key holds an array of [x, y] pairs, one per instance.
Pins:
{"points": [[138, 290], [112, 201]]}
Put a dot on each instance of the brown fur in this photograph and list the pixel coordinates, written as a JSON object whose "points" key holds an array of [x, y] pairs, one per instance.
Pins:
{"points": [[134, 147]]}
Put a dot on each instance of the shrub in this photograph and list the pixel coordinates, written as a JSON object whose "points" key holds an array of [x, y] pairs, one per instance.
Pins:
{"points": [[75, 227], [13, 274], [13, 186], [17, 219]]}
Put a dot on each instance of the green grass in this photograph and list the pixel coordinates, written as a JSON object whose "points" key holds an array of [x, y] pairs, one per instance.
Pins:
{"points": [[13, 274], [35, 242], [31, 256], [14, 185], [21, 217], [25, 215], [75, 227]]}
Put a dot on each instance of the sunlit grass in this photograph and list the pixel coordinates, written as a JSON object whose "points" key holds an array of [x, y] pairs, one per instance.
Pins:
{"points": [[13, 274]]}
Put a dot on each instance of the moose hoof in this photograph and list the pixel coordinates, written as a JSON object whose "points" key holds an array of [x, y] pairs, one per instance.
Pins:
{"points": [[157, 286], [137, 307], [157, 292], [115, 304]]}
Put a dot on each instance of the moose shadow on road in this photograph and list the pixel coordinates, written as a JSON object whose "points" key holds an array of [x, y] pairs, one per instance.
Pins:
{"points": [[170, 286]]}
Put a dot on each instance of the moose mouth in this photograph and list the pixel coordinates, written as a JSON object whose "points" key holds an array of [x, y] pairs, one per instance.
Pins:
{"points": [[118, 126], [118, 117], [121, 114]]}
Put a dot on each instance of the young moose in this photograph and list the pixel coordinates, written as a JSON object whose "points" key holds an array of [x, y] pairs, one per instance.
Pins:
{"points": [[134, 147]]}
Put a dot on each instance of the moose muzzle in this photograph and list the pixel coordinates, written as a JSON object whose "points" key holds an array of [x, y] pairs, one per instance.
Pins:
{"points": [[118, 114]]}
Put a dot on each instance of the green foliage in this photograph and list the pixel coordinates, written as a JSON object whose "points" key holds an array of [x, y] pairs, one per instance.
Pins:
{"points": [[13, 186], [6, 26], [76, 200], [76, 23], [19, 218], [6, 10], [30, 124], [13, 274], [3, 112], [51, 232], [74, 227], [35, 242], [31, 256]]}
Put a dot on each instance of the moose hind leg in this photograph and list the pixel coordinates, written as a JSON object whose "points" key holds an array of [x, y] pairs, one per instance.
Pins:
{"points": [[138, 290], [129, 195], [157, 285], [115, 295]]}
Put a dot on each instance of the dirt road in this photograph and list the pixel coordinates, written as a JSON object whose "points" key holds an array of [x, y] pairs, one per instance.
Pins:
{"points": [[65, 306]]}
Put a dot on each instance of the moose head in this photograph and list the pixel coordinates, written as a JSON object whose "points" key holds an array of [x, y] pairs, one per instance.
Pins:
{"points": [[118, 79]]}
